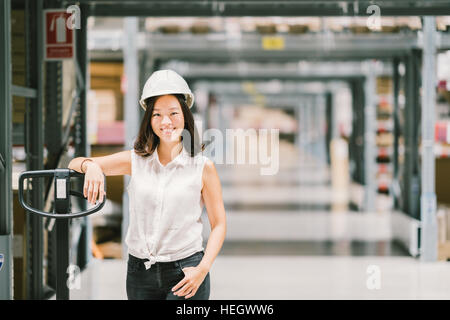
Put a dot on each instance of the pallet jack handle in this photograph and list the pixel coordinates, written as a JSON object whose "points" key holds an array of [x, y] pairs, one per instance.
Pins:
{"points": [[61, 212], [62, 193]]}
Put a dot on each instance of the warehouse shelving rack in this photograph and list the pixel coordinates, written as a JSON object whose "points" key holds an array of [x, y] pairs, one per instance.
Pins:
{"points": [[43, 94]]}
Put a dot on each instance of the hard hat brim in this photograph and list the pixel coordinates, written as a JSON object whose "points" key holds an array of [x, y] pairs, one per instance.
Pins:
{"points": [[189, 97]]}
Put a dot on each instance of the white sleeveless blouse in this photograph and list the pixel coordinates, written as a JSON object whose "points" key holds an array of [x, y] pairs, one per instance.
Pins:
{"points": [[165, 207]]}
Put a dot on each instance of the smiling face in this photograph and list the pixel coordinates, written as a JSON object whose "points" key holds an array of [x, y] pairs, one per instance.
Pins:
{"points": [[167, 118]]}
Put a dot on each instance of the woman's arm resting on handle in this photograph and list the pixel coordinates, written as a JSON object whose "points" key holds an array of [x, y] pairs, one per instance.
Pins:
{"points": [[112, 165], [115, 164]]}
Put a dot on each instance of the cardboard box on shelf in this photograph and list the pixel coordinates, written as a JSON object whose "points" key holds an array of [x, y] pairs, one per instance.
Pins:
{"points": [[18, 62], [390, 29], [170, 25], [384, 139], [442, 23], [339, 174], [443, 221], [18, 78], [111, 133], [445, 94], [106, 83], [170, 29], [106, 105], [17, 46], [441, 215], [269, 28], [19, 223], [18, 109], [110, 250], [385, 109], [359, 29], [17, 22], [384, 85], [106, 97], [200, 28], [106, 69], [298, 28], [442, 182], [411, 23], [444, 251]]}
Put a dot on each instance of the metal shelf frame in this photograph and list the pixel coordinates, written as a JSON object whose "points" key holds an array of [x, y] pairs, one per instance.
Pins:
{"points": [[298, 72], [248, 47], [34, 141], [273, 100], [6, 194]]}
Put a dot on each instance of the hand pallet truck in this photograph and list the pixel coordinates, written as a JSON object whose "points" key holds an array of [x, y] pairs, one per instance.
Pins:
{"points": [[62, 213]]}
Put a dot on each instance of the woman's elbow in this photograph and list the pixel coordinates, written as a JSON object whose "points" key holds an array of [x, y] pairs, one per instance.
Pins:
{"points": [[220, 225]]}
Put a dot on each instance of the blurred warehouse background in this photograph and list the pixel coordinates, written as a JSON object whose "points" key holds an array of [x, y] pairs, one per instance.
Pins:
{"points": [[351, 183]]}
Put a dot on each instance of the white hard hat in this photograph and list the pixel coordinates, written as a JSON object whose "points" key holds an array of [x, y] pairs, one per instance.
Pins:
{"points": [[163, 82]]}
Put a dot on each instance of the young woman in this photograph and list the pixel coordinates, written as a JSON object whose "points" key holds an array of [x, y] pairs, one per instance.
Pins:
{"points": [[170, 183]]}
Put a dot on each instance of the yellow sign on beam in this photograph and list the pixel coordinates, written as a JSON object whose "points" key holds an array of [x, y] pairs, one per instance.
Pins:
{"points": [[273, 43]]}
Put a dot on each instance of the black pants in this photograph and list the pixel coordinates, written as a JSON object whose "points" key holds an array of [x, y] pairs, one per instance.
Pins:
{"points": [[157, 282]]}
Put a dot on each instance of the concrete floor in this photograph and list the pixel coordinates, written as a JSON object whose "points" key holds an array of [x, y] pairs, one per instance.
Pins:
{"points": [[294, 278]]}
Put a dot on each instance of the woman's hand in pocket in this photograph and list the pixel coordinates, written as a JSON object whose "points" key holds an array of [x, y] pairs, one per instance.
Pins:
{"points": [[193, 278]]}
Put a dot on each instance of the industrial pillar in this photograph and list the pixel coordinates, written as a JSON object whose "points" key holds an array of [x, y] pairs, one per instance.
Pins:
{"points": [[6, 195], [396, 90], [322, 128], [370, 187], [428, 236], [411, 176], [308, 127], [131, 106], [356, 146], [303, 128], [330, 122]]}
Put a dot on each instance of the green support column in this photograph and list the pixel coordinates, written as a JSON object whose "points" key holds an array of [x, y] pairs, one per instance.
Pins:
{"points": [[396, 90], [53, 141], [301, 126], [357, 136], [308, 127], [6, 269], [322, 128], [82, 148], [411, 175], [330, 116]]}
